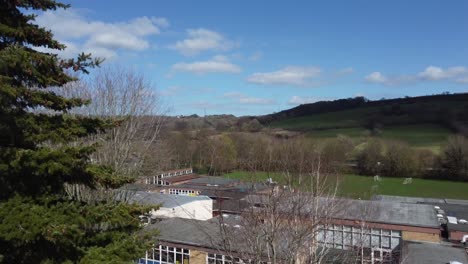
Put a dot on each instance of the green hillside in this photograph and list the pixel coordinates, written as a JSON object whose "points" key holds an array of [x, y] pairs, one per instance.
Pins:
{"points": [[425, 121]]}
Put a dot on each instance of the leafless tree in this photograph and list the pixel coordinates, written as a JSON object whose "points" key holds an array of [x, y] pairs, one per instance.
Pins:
{"points": [[127, 99], [289, 223]]}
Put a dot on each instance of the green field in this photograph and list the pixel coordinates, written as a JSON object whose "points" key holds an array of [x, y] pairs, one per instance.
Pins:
{"points": [[356, 186]]}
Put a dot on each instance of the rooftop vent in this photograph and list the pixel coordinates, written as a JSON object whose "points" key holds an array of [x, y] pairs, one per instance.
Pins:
{"points": [[452, 220]]}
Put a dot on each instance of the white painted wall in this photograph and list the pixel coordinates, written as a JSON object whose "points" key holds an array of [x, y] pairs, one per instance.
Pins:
{"points": [[198, 210]]}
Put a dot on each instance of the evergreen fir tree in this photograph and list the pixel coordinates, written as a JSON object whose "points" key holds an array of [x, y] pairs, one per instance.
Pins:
{"points": [[38, 222]]}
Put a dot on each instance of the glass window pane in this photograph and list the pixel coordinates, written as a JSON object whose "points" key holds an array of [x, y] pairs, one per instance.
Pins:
{"points": [[320, 236], [338, 237], [329, 237], [347, 239], [395, 242], [357, 239], [375, 241], [386, 242]]}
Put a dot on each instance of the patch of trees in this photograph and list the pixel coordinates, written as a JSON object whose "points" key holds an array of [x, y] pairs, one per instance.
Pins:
{"points": [[397, 159], [217, 153]]}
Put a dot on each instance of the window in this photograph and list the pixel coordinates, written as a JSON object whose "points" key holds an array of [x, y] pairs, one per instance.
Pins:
{"points": [[382, 243], [166, 255], [184, 192], [222, 259]]}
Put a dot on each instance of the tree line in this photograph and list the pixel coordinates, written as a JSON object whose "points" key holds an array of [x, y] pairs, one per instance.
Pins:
{"points": [[217, 153]]}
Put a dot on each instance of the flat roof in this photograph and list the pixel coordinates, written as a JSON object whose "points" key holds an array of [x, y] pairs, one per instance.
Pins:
{"points": [[166, 200], [406, 199], [213, 180], [421, 215], [426, 200], [452, 208], [459, 212], [428, 253], [221, 187], [180, 178], [185, 231]]}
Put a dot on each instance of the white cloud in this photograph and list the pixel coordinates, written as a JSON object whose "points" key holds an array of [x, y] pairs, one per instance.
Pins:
{"points": [[457, 74], [298, 100], [244, 99], [201, 39], [376, 77], [218, 64], [291, 75], [103, 39], [433, 73]]}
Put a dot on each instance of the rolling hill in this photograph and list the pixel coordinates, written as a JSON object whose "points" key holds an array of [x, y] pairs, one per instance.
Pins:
{"points": [[424, 121]]}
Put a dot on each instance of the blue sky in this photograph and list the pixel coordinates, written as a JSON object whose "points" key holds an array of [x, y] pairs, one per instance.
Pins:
{"points": [[258, 57]]}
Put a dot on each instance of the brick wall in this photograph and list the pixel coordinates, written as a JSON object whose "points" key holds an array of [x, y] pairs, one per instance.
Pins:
{"points": [[197, 257], [457, 235], [418, 236]]}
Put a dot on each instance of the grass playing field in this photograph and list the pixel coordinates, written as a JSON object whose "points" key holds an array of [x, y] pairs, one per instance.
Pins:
{"points": [[356, 186]]}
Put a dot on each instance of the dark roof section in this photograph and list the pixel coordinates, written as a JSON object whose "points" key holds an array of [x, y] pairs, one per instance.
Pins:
{"points": [[420, 215], [214, 181], [431, 253], [451, 207], [219, 187], [180, 178], [406, 199], [458, 211]]}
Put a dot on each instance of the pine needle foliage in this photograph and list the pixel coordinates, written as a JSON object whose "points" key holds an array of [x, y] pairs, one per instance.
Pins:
{"points": [[39, 223]]}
